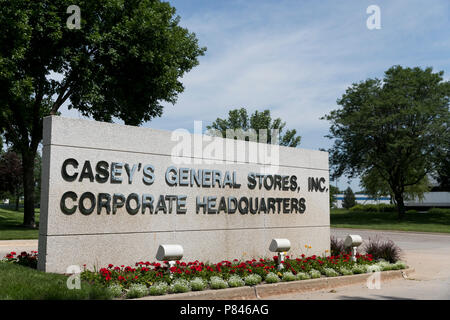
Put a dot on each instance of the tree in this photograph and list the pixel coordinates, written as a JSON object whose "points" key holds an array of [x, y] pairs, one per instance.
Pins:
{"points": [[37, 177], [333, 192], [239, 119], [395, 127], [11, 175], [349, 199], [442, 173], [374, 185], [123, 62]]}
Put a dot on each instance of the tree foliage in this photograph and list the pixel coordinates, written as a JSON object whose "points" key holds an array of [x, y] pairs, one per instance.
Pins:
{"points": [[125, 60], [442, 173], [349, 199], [375, 186], [239, 119], [394, 128], [11, 175], [333, 191]]}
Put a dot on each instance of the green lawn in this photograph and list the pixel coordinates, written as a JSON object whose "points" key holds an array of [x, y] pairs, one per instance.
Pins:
{"points": [[414, 221], [23, 283], [11, 225]]}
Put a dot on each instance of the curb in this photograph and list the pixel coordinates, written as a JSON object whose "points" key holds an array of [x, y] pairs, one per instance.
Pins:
{"points": [[262, 291]]}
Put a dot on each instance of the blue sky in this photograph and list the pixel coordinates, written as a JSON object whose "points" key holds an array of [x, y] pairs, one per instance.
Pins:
{"points": [[297, 57]]}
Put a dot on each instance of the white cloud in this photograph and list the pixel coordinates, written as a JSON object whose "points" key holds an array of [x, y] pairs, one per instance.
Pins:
{"points": [[297, 57]]}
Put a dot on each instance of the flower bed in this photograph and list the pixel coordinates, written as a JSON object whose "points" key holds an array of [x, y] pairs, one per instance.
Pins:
{"points": [[154, 278], [23, 259]]}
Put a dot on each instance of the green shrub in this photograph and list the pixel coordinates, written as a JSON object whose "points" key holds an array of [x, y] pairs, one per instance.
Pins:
{"points": [[180, 286], [314, 274], [136, 291], [235, 281], [345, 271], [439, 211], [358, 208], [198, 284], [252, 279], [272, 278], [159, 289], [382, 207], [288, 276], [303, 276], [330, 272], [116, 290], [217, 283]]}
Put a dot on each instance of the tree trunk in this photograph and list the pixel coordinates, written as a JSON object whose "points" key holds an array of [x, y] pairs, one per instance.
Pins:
{"points": [[28, 189], [400, 205], [17, 199]]}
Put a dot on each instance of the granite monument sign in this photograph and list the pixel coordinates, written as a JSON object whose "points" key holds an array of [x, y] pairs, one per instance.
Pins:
{"points": [[113, 193]]}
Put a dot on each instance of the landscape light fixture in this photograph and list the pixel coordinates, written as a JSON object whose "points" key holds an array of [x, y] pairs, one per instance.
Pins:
{"points": [[281, 246], [170, 253], [353, 241]]}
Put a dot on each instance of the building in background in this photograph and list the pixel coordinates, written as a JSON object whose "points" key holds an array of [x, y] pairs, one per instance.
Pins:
{"points": [[436, 198], [362, 199]]}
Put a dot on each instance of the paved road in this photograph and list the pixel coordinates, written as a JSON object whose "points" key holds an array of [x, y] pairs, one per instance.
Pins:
{"points": [[428, 254], [6, 246]]}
